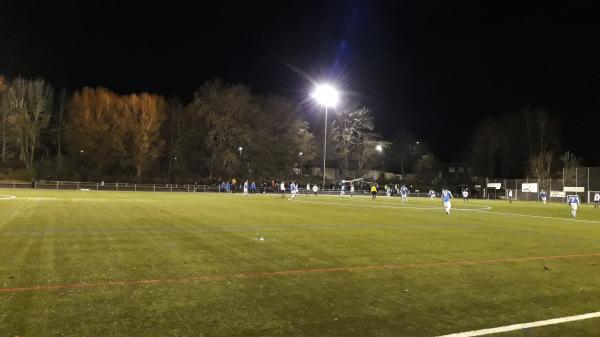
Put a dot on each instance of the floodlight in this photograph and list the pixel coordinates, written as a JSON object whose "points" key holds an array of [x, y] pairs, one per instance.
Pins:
{"points": [[326, 95]]}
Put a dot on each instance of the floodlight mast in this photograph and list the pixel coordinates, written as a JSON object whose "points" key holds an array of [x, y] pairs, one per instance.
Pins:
{"points": [[327, 96]]}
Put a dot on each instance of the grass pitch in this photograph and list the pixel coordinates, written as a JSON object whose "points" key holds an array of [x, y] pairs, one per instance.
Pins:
{"points": [[76, 263]]}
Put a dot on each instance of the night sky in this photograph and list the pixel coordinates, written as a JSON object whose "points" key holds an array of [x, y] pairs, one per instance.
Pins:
{"points": [[433, 68]]}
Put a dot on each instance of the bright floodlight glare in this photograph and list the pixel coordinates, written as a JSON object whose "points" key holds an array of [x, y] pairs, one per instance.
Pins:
{"points": [[379, 148], [326, 95], [240, 148]]}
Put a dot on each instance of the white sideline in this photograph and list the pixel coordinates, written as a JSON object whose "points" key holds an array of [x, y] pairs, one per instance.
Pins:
{"points": [[7, 197], [525, 325]]}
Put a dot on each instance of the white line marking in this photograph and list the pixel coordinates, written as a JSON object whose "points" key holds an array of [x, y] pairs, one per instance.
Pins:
{"points": [[7, 197], [524, 325], [541, 217], [399, 206], [482, 209]]}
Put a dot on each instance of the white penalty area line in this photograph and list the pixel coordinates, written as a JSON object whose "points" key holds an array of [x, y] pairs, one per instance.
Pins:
{"points": [[7, 197], [525, 325]]}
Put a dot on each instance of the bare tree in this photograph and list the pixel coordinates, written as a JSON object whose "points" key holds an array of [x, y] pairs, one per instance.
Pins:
{"points": [[354, 139], [570, 163], [30, 104], [540, 166]]}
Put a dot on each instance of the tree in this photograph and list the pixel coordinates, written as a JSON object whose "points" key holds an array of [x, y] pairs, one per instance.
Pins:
{"points": [[63, 103], [226, 112], [404, 153], [278, 138], [3, 117], [427, 169], [505, 145], [570, 163], [29, 103], [354, 139], [174, 134], [367, 153], [94, 130], [540, 166], [142, 117], [350, 129]]}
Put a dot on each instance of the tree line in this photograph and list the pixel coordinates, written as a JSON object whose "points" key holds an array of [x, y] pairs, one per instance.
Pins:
{"points": [[521, 143], [226, 130]]}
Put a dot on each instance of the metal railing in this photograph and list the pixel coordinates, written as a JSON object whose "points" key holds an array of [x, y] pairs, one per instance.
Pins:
{"points": [[188, 188]]}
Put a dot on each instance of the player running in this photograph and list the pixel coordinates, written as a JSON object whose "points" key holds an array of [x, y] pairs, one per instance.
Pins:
{"points": [[373, 191], [446, 196], [543, 196], [315, 190], [343, 190], [597, 200], [351, 189], [510, 196], [282, 189], [246, 187], [574, 203], [465, 195], [404, 193]]}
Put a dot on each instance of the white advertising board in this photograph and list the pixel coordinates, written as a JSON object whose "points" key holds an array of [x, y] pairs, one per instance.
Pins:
{"points": [[557, 194], [494, 185], [529, 187], [573, 189]]}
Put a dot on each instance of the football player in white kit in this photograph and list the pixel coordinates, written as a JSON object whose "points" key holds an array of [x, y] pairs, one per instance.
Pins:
{"points": [[404, 193], [574, 203]]}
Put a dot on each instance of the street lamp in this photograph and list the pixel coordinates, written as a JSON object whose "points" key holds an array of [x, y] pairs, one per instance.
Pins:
{"points": [[327, 96], [240, 149], [379, 148]]}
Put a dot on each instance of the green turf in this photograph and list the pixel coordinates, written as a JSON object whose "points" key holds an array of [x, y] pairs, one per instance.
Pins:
{"points": [[73, 237]]}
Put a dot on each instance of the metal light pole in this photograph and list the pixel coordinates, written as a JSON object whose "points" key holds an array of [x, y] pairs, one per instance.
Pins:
{"points": [[325, 149], [327, 96]]}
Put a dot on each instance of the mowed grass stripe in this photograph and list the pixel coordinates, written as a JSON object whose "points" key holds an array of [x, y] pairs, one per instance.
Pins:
{"points": [[301, 271]]}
